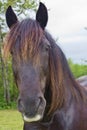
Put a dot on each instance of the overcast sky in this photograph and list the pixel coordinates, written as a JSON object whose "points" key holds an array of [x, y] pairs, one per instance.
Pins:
{"points": [[67, 19], [67, 22]]}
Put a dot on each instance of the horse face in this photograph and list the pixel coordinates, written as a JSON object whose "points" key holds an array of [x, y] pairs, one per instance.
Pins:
{"points": [[31, 74], [31, 78]]}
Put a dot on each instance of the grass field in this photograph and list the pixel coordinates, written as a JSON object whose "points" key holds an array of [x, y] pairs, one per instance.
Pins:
{"points": [[10, 120]]}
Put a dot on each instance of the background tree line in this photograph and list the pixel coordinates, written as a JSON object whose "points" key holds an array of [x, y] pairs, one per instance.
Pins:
{"points": [[8, 91]]}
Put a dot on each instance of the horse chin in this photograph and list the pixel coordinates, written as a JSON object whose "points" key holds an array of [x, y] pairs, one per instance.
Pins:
{"points": [[32, 119]]}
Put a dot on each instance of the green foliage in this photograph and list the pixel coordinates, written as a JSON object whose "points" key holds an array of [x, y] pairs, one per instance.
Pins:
{"points": [[12, 87], [21, 8], [4, 105], [77, 69]]}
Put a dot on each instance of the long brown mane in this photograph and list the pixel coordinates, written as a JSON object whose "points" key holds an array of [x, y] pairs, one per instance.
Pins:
{"points": [[29, 31], [62, 79]]}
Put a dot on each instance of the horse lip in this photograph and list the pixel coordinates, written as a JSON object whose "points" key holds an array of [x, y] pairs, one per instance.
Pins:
{"points": [[32, 119]]}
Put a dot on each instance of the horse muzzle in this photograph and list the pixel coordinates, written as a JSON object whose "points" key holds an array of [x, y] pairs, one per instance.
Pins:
{"points": [[32, 108]]}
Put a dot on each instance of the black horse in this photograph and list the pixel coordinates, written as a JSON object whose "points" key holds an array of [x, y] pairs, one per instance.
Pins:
{"points": [[49, 96]]}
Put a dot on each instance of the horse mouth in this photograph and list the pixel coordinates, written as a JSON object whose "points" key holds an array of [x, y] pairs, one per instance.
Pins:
{"points": [[37, 117]]}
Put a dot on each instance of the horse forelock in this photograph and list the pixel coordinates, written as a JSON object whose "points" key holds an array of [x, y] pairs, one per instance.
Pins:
{"points": [[28, 33]]}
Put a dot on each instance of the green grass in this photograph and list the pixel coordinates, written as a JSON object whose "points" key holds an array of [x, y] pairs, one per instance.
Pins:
{"points": [[10, 120]]}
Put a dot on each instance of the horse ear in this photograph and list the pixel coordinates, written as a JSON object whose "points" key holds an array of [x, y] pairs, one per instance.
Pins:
{"points": [[42, 15], [11, 17]]}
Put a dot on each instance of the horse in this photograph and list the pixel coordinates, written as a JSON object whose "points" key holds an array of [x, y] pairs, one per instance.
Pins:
{"points": [[83, 81], [49, 98]]}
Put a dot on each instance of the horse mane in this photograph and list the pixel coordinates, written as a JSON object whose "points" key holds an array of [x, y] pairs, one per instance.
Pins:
{"points": [[61, 78], [30, 34]]}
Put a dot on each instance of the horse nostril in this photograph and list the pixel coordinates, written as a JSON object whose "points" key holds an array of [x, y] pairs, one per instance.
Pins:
{"points": [[20, 105], [40, 101], [40, 98]]}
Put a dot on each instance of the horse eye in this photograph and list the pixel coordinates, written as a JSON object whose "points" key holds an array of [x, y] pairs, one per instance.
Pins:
{"points": [[47, 48], [11, 52]]}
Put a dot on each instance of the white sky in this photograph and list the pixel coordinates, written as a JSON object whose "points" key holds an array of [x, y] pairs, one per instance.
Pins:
{"points": [[67, 19]]}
